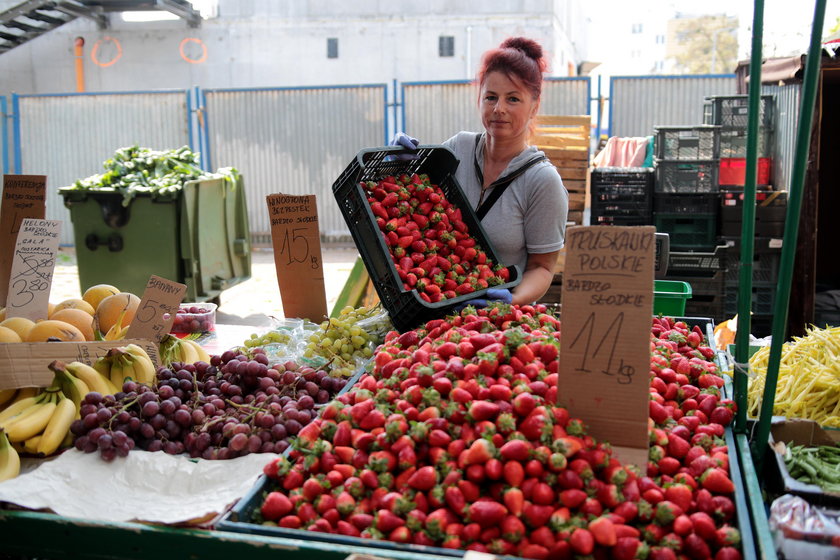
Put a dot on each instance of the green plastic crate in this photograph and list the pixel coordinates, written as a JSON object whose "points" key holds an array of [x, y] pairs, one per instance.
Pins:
{"points": [[669, 297]]}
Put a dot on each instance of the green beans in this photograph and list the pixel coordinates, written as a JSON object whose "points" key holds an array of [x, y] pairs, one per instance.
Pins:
{"points": [[815, 465]]}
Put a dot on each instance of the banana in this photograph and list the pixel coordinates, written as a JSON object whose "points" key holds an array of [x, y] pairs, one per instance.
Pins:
{"points": [[203, 356], [31, 422], [92, 378], [58, 427], [18, 407], [117, 331], [7, 396], [142, 365], [31, 445], [188, 353], [9, 459], [122, 366], [103, 366], [73, 388]]}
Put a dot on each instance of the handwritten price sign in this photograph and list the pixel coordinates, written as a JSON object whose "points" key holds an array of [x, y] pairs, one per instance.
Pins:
{"points": [[607, 304], [297, 255], [24, 196], [157, 309], [33, 264]]}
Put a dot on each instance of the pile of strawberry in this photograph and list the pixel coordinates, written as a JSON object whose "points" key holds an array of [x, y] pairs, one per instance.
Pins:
{"points": [[454, 441], [428, 240]]}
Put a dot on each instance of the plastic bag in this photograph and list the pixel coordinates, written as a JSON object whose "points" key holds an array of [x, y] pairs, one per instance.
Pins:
{"points": [[794, 518]]}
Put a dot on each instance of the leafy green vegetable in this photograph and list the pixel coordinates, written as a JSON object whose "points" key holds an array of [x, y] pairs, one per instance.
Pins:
{"points": [[134, 169]]}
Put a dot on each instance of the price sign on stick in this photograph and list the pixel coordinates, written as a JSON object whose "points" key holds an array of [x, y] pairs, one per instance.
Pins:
{"points": [[33, 263], [297, 255], [157, 309], [24, 196], [607, 305]]}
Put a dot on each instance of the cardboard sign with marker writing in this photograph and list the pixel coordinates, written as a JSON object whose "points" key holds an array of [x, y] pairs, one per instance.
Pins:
{"points": [[607, 305], [297, 255], [25, 364], [24, 196], [157, 309], [33, 263]]}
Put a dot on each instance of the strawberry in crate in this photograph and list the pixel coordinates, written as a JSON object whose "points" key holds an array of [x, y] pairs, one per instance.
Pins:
{"points": [[428, 241]]}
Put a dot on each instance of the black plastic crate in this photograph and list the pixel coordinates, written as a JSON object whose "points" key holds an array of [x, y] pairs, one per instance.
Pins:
{"points": [[406, 309], [674, 176], [242, 519], [698, 263], [770, 212], [733, 143], [614, 219], [732, 111], [767, 257], [621, 176], [621, 196], [686, 203], [692, 143], [763, 297]]}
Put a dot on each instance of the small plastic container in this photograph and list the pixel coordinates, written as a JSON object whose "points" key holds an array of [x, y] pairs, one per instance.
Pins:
{"points": [[195, 318]]}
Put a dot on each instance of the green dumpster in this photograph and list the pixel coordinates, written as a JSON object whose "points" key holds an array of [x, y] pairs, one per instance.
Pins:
{"points": [[197, 235]]}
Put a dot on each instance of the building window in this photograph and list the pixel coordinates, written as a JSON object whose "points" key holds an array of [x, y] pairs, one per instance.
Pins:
{"points": [[332, 47], [636, 28], [446, 45], [660, 39], [635, 54]]}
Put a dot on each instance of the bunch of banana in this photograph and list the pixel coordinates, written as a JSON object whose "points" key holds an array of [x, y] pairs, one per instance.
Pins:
{"points": [[117, 330], [41, 423], [129, 362], [184, 350], [9, 458]]}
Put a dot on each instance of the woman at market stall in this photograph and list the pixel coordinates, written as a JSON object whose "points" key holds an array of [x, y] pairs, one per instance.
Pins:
{"points": [[516, 191]]}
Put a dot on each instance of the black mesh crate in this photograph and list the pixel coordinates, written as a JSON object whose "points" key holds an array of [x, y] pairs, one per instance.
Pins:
{"points": [[406, 308], [686, 203], [621, 196], [767, 257], [686, 176], [732, 111], [699, 142], [763, 297]]}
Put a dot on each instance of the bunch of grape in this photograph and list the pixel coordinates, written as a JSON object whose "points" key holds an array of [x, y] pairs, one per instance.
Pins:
{"points": [[345, 341], [235, 405], [268, 337]]}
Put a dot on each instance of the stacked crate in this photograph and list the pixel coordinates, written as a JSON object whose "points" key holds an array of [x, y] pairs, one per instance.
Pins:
{"points": [[731, 114], [686, 202], [565, 139]]}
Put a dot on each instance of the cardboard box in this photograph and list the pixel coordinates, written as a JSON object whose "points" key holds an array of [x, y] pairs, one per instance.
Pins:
{"points": [[797, 431]]}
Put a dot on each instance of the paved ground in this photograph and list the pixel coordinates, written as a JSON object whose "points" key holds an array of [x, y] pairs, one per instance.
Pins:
{"points": [[249, 303]]}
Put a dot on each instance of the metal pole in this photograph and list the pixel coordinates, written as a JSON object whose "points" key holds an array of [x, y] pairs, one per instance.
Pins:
{"points": [[800, 161], [742, 335]]}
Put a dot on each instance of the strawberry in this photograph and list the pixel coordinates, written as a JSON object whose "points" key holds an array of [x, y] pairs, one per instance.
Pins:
{"points": [[513, 530], [680, 494], [629, 548], [275, 506], [487, 513], [603, 531], [717, 481], [423, 479], [582, 542], [479, 452], [695, 547], [516, 450], [728, 553], [514, 500]]}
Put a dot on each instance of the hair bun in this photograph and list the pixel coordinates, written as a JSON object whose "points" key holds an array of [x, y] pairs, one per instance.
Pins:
{"points": [[531, 48]]}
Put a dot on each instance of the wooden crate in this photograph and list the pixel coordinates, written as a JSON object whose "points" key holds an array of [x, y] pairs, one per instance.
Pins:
{"points": [[565, 141]]}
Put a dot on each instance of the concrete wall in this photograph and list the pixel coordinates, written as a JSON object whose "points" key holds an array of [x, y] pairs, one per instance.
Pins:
{"points": [[263, 43]]}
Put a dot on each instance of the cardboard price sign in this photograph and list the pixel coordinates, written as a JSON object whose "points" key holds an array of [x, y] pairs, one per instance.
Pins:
{"points": [[607, 304], [297, 255], [25, 364], [24, 196], [33, 264], [157, 309]]}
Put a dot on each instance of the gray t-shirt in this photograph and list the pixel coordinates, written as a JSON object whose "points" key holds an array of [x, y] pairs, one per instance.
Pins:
{"points": [[530, 217]]}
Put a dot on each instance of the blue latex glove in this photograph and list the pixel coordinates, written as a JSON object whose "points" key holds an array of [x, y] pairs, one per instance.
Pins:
{"points": [[408, 143], [493, 294]]}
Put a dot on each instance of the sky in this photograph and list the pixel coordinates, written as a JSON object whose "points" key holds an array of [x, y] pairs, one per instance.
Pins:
{"points": [[787, 23]]}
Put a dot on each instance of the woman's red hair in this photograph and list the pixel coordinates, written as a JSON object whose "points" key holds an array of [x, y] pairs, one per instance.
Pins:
{"points": [[520, 59]]}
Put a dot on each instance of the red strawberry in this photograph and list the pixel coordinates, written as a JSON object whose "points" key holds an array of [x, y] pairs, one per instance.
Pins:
{"points": [[582, 542], [515, 449], [479, 452], [717, 480], [423, 479], [275, 506], [512, 529], [487, 513], [603, 531], [695, 547], [629, 548]]}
